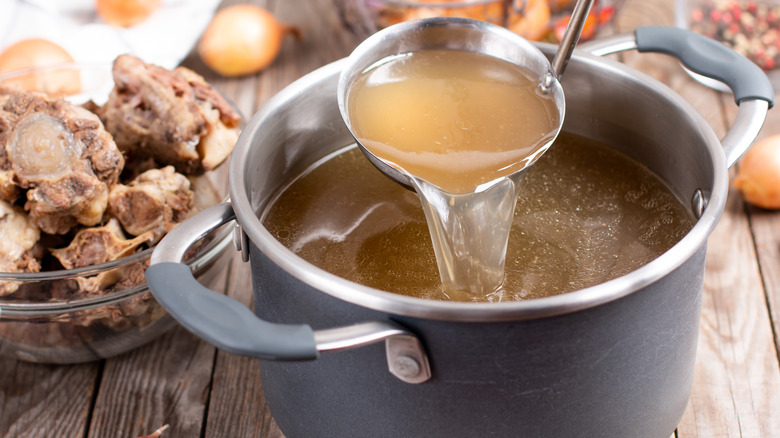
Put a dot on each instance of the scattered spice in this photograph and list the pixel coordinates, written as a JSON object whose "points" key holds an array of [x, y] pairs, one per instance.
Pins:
{"points": [[752, 28]]}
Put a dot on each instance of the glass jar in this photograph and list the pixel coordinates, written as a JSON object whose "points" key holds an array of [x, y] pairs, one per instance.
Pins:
{"points": [[535, 20]]}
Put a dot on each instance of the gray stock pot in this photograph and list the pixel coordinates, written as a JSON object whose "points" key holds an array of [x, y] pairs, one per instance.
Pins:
{"points": [[616, 359]]}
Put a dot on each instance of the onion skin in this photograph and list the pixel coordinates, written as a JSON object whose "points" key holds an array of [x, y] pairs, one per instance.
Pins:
{"points": [[39, 52], [125, 13], [242, 39], [758, 176]]}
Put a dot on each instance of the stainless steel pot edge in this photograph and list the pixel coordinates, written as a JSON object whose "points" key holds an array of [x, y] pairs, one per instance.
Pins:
{"points": [[484, 312]]}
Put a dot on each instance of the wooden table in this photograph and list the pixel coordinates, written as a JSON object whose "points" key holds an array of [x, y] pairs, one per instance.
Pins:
{"points": [[199, 391]]}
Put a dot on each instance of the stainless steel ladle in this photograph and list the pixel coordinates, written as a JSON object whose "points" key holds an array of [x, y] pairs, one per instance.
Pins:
{"points": [[460, 34]]}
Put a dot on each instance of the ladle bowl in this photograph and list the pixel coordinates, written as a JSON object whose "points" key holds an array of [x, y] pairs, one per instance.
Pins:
{"points": [[450, 34]]}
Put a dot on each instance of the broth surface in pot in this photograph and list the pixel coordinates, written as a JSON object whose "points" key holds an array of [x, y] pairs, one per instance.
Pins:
{"points": [[586, 214]]}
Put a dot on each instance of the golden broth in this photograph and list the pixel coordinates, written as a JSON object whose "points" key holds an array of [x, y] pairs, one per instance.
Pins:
{"points": [[456, 119], [462, 125], [586, 214]]}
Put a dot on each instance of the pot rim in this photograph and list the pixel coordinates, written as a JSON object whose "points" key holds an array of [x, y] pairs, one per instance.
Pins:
{"points": [[402, 305]]}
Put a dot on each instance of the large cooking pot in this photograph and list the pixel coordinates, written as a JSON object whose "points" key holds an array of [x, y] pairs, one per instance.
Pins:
{"points": [[615, 359]]}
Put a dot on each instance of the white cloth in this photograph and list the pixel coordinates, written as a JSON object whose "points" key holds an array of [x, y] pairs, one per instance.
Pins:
{"points": [[164, 39]]}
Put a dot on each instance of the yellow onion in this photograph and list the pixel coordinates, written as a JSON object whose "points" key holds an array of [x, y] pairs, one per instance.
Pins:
{"points": [[242, 39], [125, 13], [758, 176], [39, 52]]}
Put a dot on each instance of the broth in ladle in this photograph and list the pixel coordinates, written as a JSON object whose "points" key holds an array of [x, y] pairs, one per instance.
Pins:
{"points": [[453, 118], [587, 214], [463, 126]]}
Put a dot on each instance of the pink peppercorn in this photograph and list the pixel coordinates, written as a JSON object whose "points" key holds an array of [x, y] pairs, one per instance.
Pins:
{"points": [[715, 15], [749, 27]]}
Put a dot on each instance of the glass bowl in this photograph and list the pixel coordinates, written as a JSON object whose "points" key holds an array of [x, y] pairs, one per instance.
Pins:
{"points": [[535, 20], [73, 330], [96, 312]]}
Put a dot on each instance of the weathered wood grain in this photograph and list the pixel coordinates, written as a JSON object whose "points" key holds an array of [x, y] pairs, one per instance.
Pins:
{"points": [[761, 361], [323, 40], [41, 401], [165, 382], [766, 233], [737, 373], [237, 387], [737, 382], [236, 383]]}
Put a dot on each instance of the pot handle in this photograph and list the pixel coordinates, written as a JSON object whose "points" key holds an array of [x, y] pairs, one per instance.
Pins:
{"points": [[752, 89], [231, 326]]}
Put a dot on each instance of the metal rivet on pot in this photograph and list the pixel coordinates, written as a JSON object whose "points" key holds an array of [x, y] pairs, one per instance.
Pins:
{"points": [[406, 359], [699, 203], [406, 366]]}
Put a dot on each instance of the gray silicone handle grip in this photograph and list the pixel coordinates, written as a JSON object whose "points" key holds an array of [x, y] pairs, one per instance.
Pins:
{"points": [[709, 58], [223, 321]]}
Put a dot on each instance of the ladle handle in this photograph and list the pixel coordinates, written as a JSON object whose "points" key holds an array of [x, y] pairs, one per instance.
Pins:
{"points": [[231, 326], [571, 36], [752, 89]]}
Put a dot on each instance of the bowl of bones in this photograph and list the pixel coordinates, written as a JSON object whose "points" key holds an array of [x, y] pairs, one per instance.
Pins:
{"points": [[97, 163]]}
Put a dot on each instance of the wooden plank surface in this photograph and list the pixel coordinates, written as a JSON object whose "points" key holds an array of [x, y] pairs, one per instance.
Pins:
{"points": [[737, 376], [202, 392], [45, 400]]}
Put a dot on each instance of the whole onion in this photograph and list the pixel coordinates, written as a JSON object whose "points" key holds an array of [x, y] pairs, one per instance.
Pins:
{"points": [[242, 39], [758, 176], [39, 52], [125, 13]]}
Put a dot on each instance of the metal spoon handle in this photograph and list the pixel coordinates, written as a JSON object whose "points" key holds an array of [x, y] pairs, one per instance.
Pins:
{"points": [[570, 36]]}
